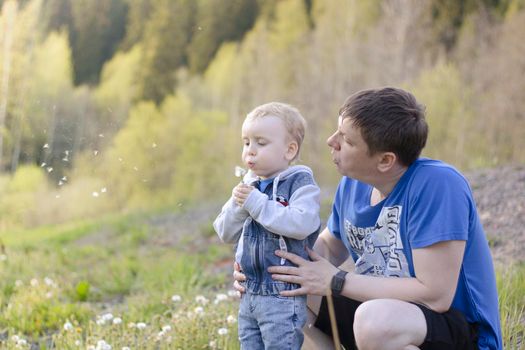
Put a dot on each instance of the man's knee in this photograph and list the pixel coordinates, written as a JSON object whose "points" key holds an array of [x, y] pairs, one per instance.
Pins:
{"points": [[370, 324], [378, 320]]}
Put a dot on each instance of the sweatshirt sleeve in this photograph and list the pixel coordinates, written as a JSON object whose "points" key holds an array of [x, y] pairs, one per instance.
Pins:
{"points": [[230, 221], [297, 220]]}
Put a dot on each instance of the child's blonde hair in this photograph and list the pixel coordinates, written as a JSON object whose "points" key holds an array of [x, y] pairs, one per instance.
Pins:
{"points": [[294, 122]]}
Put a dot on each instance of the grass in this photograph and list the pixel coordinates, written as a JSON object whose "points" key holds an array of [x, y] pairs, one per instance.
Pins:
{"points": [[116, 281]]}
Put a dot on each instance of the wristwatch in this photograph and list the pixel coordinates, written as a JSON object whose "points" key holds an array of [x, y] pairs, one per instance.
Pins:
{"points": [[338, 281]]}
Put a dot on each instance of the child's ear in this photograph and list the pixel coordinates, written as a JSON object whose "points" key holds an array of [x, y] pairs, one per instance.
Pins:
{"points": [[291, 152]]}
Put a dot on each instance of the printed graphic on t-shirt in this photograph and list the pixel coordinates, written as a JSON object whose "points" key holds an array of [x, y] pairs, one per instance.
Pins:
{"points": [[379, 248]]}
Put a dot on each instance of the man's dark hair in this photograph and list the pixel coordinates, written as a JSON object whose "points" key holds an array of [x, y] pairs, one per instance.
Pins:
{"points": [[390, 120]]}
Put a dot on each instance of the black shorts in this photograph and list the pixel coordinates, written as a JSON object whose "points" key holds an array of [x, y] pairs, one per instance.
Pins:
{"points": [[448, 330]]}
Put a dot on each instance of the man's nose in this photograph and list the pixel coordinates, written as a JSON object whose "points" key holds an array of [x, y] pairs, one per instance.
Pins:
{"points": [[332, 142]]}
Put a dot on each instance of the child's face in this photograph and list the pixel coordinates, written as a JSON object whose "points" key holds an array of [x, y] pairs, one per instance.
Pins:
{"points": [[268, 149]]}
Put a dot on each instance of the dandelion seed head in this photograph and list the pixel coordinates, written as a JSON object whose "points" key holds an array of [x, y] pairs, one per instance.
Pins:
{"points": [[95, 194], [3, 257], [176, 298], [19, 283], [68, 326], [239, 171], [141, 325], [166, 328], [34, 282], [213, 344], [117, 320], [222, 331], [231, 319], [103, 190], [78, 343], [199, 310]]}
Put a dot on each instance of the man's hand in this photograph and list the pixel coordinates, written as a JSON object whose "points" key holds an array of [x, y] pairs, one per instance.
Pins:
{"points": [[241, 192], [238, 277], [313, 276]]}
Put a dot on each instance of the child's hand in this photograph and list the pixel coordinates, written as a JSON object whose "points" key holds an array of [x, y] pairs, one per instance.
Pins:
{"points": [[240, 193]]}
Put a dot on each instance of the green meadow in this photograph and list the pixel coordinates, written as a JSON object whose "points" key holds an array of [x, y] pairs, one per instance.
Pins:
{"points": [[126, 281]]}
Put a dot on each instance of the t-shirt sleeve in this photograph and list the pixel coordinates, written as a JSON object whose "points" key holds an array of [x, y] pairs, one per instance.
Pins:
{"points": [[440, 206], [333, 223]]}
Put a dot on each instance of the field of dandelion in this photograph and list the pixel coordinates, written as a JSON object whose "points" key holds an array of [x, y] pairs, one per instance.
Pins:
{"points": [[124, 283], [115, 284]]}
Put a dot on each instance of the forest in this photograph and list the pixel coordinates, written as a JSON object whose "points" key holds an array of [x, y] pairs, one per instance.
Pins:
{"points": [[111, 106]]}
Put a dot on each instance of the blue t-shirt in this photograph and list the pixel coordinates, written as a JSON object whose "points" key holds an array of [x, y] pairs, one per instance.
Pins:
{"points": [[431, 203]]}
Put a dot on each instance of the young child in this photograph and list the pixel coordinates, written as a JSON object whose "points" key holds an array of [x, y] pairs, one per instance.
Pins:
{"points": [[275, 207]]}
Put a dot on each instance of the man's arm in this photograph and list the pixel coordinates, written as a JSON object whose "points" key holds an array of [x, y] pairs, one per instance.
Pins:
{"points": [[332, 249], [437, 269]]}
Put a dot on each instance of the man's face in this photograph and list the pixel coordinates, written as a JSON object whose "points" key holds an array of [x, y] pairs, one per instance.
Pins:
{"points": [[350, 152], [266, 148]]}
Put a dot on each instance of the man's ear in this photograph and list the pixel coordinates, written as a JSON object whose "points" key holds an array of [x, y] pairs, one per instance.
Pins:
{"points": [[292, 150], [386, 161]]}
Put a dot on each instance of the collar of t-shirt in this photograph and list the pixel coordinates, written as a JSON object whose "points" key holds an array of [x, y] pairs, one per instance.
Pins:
{"points": [[264, 183]]}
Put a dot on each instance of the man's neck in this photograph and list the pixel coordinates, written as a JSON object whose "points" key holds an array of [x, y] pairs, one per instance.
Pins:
{"points": [[386, 185]]}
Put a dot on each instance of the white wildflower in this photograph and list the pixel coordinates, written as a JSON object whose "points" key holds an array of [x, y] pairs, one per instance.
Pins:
{"points": [[219, 298], [201, 300], [107, 317], [102, 345], [233, 293]]}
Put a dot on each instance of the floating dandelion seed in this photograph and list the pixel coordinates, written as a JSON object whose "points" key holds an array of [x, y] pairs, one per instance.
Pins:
{"points": [[154, 145], [66, 156], [49, 169], [135, 168], [101, 135], [95, 152], [64, 178], [3, 257], [199, 28], [57, 196], [239, 171], [43, 165], [46, 146], [120, 159], [95, 194], [103, 190], [60, 183]]}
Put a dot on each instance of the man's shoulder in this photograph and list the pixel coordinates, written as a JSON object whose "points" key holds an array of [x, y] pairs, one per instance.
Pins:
{"points": [[426, 168]]}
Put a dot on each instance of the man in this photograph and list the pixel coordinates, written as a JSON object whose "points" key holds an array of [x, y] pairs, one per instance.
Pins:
{"points": [[422, 276]]}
